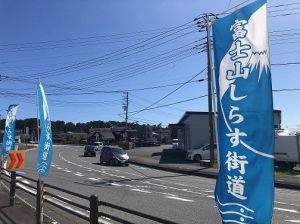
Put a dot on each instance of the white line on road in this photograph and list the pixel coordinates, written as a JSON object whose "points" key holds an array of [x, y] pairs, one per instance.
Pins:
{"points": [[115, 184], [165, 187], [140, 190], [59, 168], [180, 199], [283, 203], [293, 221], [79, 174], [68, 171], [172, 195], [174, 188], [287, 210], [95, 179]]}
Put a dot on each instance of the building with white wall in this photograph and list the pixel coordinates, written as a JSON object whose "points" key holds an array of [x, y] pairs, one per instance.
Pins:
{"points": [[193, 129]]}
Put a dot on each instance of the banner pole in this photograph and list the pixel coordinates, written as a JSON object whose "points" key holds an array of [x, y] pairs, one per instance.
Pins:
{"points": [[37, 117]]}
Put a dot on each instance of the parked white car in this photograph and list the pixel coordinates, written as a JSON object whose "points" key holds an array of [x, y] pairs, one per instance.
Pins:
{"points": [[201, 153], [175, 143]]}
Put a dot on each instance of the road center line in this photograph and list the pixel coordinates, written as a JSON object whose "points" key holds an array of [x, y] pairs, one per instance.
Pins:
{"points": [[179, 199]]}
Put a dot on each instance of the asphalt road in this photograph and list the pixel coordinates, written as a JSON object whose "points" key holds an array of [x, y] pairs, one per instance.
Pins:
{"points": [[176, 197]]}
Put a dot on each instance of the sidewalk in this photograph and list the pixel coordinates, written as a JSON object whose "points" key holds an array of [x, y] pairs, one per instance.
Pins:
{"points": [[173, 160], [20, 213]]}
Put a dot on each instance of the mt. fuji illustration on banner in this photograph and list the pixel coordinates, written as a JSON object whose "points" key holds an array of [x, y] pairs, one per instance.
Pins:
{"points": [[245, 186]]}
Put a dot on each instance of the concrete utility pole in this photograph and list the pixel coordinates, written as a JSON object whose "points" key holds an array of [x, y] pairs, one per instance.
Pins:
{"points": [[209, 78], [125, 107]]}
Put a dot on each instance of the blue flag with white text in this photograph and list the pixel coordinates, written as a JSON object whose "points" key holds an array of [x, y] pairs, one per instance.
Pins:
{"points": [[45, 143], [245, 186], [8, 142]]}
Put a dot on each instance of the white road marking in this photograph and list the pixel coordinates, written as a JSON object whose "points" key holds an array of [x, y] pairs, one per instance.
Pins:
{"points": [[209, 191], [115, 184], [283, 203], [293, 221], [180, 199], [164, 187], [79, 174], [211, 196], [174, 188], [171, 195], [68, 171], [18, 177], [59, 168], [140, 190], [95, 179], [287, 210]]}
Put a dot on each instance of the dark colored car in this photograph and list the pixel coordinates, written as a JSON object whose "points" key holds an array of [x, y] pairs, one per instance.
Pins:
{"points": [[113, 155], [90, 150]]}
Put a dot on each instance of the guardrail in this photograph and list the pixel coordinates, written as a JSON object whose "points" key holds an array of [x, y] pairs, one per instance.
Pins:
{"points": [[43, 195]]}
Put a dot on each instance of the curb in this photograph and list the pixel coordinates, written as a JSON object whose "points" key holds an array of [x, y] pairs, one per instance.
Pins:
{"points": [[174, 170], [278, 184]]}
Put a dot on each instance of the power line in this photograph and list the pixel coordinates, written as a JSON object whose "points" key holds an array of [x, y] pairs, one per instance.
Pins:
{"points": [[174, 103], [284, 64], [129, 68], [285, 90], [88, 63], [107, 36], [170, 93], [285, 14], [284, 5]]}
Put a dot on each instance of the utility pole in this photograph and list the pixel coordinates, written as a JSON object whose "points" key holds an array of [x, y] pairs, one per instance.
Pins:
{"points": [[125, 107], [209, 74]]}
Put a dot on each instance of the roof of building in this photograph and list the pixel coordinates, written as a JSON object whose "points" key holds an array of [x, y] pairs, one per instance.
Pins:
{"points": [[105, 133], [189, 113]]}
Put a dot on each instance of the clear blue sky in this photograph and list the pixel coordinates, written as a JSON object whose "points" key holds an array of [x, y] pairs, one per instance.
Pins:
{"points": [[39, 37]]}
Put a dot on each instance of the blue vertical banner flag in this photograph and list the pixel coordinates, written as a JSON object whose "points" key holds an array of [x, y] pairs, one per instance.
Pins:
{"points": [[245, 186], [45, 143], [8, 142]]}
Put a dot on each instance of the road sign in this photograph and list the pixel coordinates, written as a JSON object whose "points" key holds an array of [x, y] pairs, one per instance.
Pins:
{"points": [[16, 160]]}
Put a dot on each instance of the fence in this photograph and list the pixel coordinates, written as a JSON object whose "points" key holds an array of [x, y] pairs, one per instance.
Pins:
{"points": [[43, 195]]}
